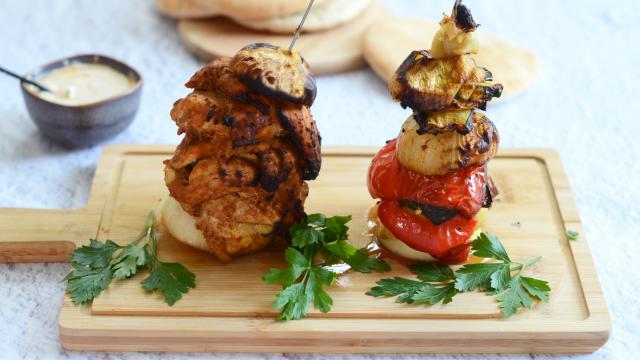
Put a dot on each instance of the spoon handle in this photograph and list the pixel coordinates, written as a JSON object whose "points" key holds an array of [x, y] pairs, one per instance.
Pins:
{"points": [[11, 73]]}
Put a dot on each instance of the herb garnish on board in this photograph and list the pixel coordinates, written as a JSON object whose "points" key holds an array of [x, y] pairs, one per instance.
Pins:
{"points": [[96, 265], [303, 281], [502, 278]]}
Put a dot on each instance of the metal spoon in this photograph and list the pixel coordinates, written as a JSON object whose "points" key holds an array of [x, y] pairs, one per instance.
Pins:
{"points": [[22, 78]]}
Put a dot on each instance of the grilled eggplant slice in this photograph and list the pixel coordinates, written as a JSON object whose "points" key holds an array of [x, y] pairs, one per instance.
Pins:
{"points": [[275, 72], [437, 215], [439, 122], [477, 94], [426, 84], [430, 154], [490, 193], [303, 133]]}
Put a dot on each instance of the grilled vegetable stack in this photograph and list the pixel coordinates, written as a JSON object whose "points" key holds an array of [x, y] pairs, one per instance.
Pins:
{"points": [[432, 180], [250, 143]]}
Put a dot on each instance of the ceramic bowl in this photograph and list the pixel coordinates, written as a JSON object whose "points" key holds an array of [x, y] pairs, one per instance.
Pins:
{"points": [[83, 125]]}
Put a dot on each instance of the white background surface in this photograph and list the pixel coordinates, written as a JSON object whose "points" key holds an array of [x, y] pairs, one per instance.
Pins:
{"points": [[584, 103]]}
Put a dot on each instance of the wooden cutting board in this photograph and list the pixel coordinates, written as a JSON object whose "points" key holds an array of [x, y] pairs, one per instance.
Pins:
{"points": [[230, 310], [327, 52]]}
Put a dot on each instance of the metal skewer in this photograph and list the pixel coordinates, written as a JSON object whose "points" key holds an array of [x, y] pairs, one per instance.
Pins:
{"points": [[22, 78], [296, 35]]}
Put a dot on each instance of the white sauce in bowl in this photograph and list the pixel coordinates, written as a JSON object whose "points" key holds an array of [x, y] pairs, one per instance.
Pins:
{"points": [[83, 83]]}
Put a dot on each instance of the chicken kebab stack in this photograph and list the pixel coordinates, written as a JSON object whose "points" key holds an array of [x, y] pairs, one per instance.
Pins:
{"points": [[250, 143], [432, 180]]}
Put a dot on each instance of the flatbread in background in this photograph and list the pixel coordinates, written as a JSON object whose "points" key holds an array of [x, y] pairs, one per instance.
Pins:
{"points": [[323, 16], [335, 50], [389, 41], [239, 9]]}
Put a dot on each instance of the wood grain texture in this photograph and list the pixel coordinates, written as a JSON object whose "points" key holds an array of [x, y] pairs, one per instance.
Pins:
{"points": [[332, 51], [230, 309]]}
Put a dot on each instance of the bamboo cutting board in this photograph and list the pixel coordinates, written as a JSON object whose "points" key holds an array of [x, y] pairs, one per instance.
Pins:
{"points": [[230, 310]]}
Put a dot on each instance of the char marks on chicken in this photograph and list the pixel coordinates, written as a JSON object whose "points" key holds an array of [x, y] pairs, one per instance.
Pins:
{"points": [[250, 142]]}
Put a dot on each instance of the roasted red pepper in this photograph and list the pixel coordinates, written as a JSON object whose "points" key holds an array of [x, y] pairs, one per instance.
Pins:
{"points": [[448, 242], [463, 190]]}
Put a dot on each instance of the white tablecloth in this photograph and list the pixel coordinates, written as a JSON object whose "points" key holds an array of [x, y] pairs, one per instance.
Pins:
{"points": [[583, 103]]}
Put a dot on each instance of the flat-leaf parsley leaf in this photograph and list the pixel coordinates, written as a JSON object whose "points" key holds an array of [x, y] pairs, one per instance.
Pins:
{"points": [[572, 235], [502, 278], [303, 281], [437, 285], [97, 264]]}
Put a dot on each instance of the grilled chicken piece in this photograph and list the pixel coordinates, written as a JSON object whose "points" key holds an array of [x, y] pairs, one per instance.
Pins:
{"points": [[217, 75], [250, 143], [231, 123], [211, 178], [239, 223], [221, 97], [430, 154]]}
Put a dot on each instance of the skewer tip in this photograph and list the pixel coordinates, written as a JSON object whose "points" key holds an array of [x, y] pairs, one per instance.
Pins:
{"points": [[296, 35]]}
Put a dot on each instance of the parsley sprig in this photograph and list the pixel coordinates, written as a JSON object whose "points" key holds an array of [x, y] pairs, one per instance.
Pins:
{"points": [[572, 235], [502, 278], [437, 285], [303, 281], [96, 265]]}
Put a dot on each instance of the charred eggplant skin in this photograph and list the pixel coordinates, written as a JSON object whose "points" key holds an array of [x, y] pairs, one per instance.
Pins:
{"points": [[490, 192], [463, 18], [304, 135], [427, 126], [275, 72], [256, 46], [430, 85], [405, 97], [437, 215]]}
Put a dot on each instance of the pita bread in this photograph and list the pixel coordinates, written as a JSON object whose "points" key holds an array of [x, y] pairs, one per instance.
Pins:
{"points": [[323, 16], [180, 224], [238, 9], [388, 42], [331, 51]]}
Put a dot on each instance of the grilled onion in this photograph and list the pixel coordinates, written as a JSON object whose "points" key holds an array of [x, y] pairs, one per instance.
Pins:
{"points": [[430, 154], [455, 34]]}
